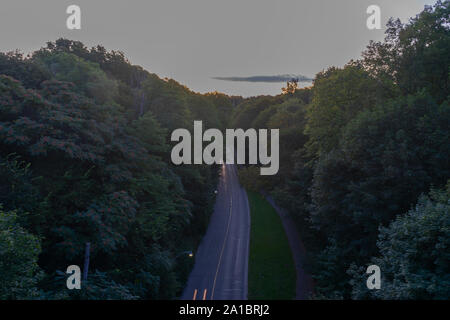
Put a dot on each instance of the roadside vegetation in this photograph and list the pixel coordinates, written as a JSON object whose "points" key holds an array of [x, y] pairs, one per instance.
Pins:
{"points": [[271, 266], [359, 150], [85, 157]]}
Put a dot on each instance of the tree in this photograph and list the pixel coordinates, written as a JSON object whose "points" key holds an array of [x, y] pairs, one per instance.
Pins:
{"points": [[414, 257], [291, 87], [415, 55], [338, 96], [19, 251], [84, 147], [386, 158], [87, 76]]}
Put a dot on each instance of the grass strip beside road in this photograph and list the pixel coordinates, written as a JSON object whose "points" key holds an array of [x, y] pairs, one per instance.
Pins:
{"points": [[271, 266]]}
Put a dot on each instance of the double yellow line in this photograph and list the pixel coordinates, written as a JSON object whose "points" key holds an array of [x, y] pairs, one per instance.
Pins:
{"points": [[195, 294], [221, 253]]}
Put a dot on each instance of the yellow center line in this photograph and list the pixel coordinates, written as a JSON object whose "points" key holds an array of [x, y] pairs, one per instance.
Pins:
{"points": [[195, 294], [223, 246]]}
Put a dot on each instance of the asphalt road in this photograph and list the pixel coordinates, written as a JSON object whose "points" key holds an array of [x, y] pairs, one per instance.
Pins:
{"points": [[221, 261]]}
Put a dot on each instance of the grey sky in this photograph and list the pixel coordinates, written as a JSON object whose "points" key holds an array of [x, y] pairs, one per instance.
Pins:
{"points": [[194, 40]]}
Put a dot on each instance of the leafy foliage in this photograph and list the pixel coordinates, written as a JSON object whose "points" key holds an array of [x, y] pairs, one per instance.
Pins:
{"points": [[357, 150], [19, 251], [407, 272], [84, 157]]}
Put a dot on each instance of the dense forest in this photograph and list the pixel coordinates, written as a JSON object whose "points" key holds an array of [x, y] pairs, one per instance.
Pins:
{"points": [[364, 169], [85, 157], [365, 162]]}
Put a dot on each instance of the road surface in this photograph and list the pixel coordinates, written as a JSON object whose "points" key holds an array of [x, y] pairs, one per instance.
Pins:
{"points": [[221, 261]]}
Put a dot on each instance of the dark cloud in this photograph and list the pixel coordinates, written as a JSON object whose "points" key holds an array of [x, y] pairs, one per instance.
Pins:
{"points": [[270, 79]]}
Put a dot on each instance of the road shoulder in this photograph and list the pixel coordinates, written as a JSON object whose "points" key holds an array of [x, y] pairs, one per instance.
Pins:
{"points": [[304, 282]]}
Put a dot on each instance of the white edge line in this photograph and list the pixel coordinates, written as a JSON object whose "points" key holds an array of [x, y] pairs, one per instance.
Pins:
{"points": [[248, 245]]}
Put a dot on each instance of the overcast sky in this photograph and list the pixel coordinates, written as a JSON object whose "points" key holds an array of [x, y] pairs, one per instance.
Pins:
{"points": [[194, 40]]}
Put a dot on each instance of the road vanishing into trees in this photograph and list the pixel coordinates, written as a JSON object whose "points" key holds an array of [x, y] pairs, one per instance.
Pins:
{"points": [[221, 261]]}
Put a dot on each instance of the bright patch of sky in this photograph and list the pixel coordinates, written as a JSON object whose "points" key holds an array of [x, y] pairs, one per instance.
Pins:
{"points": [[193, 41]]}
